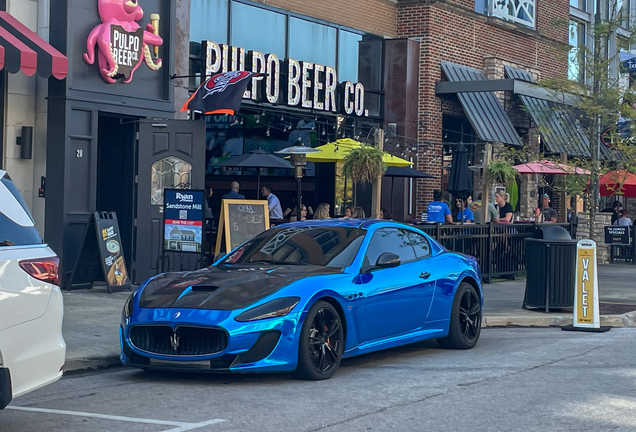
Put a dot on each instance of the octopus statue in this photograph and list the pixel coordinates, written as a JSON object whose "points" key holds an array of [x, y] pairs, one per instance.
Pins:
{"points": [[124, 14]]}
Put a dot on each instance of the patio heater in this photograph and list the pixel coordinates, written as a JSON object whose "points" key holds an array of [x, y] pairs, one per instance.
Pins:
{"points": [[298, 158]]}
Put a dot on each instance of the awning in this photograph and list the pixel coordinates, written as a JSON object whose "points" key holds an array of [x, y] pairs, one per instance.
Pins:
{"points": [[23, 50], [561, 132], [485, 113]]}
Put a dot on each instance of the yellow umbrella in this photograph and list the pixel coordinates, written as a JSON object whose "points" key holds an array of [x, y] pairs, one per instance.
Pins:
{"points": [[336, 151]]}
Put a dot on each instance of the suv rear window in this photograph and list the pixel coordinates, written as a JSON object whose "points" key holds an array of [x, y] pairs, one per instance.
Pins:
{"points": [[16, 224]]}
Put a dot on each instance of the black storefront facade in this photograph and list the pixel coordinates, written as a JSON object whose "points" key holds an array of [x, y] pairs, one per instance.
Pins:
{"points": [[114, 145]]}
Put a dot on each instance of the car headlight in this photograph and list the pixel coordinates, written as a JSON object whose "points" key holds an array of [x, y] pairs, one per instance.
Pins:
{"points": [[275, 308], [128, 306]]}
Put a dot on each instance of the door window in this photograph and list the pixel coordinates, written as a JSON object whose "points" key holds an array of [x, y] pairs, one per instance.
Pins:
{"points": [[392, 240], [170, 172], [420, 244]]}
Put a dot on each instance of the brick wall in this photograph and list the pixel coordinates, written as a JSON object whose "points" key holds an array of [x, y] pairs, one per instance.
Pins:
{"points": [[451, 30], [378, 17]]}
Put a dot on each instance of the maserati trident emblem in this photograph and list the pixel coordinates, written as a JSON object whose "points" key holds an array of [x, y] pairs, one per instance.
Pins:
{"points": [[174, 341], [177, 315]]}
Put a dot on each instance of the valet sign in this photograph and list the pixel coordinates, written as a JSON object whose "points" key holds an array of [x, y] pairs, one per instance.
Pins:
{"points": [[586, 302], [288, 82]]}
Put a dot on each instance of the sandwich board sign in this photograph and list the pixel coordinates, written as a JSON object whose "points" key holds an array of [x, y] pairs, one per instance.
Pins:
{"points": [[586, 316], [240, 220]]}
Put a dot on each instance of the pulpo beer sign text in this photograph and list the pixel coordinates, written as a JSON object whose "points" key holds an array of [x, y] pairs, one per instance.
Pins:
{"points": [[290, 82]]}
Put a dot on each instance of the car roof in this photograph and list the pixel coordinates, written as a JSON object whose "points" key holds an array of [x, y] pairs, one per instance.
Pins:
{"points": [[341, 222]]}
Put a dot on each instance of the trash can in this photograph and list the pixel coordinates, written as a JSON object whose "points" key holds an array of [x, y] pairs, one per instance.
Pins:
{"points": [[550, 268]]}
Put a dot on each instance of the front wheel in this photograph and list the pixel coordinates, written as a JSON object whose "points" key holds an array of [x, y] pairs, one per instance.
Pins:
{"points": [[465, 321], [321, 343]]}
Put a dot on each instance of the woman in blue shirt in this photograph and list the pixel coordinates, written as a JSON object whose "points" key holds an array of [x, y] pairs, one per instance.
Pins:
{"points": [[466, 213]]}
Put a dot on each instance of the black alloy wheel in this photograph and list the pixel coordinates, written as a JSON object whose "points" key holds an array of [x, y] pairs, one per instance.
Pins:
{"points": [[321, 343], [465, 321]]}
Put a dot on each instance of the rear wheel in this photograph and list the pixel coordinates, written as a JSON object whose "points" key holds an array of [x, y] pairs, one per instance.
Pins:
{"points": [[465, 321], [321, 343]]}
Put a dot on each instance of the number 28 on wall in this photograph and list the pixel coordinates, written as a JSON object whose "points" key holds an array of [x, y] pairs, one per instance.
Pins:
{"points": [[79, 153]]}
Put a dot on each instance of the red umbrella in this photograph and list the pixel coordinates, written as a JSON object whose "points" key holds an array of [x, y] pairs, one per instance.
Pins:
{"points": [[618, 182]]}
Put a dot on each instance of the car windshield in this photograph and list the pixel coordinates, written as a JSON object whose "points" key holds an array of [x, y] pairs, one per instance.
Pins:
{"points": [[326, 246]]}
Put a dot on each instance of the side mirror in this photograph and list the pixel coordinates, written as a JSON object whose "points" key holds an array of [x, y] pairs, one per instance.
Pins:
{"points": [[388, 260]]}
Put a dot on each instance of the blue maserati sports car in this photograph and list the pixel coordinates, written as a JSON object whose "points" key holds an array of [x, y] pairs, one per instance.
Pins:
{"points": [[301, 297]]}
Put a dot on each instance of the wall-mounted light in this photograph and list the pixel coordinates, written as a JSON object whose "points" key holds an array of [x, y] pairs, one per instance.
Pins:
{"points": [[25, 141]]}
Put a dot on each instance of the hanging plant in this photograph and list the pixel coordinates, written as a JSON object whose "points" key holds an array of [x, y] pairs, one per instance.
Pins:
{"points": [[364, 164], [502, 172]]}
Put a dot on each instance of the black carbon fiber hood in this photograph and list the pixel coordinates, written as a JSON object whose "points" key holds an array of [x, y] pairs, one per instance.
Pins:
{"points": [[223, 287]]}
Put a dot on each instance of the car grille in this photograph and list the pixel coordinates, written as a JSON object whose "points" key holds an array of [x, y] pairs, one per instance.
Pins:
{"points": [[184, 341]]}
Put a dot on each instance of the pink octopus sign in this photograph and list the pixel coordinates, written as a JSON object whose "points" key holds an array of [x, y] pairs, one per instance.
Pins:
{"points": [[122, 45]]}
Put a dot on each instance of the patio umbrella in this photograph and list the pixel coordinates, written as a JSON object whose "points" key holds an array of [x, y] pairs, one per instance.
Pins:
{"points": [[618, 182], [257, 159], [339, 149], [403, 172], [549, 168], [460, 183]]}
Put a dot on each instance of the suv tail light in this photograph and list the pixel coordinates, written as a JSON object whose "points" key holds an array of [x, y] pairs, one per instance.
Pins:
{"points": [[44, 269]]}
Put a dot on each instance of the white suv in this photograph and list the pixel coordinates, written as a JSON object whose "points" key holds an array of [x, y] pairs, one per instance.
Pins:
{"points": [[32, 348]]}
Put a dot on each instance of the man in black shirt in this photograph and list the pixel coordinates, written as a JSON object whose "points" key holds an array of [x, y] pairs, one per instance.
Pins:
{"points": [[549, 214], [614, 211]]}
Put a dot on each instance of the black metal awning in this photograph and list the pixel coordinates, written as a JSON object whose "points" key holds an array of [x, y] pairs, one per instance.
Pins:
{"points": [[561, 132], [483, 109]]}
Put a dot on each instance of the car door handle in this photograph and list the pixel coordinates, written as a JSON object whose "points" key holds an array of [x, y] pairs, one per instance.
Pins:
{"points": [[425, 275]]}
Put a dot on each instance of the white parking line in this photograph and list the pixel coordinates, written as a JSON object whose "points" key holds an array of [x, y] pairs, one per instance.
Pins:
{"points": [[180, 426]]}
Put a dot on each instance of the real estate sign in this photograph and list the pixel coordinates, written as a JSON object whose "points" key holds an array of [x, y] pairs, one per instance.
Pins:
{"points": [[183, 220]]}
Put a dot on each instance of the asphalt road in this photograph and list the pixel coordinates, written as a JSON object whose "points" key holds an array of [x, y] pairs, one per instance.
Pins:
{"points": [[515, 379]]}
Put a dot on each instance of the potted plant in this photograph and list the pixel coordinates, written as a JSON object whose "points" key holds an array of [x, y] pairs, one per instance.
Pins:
{"points": [[364, 164]]}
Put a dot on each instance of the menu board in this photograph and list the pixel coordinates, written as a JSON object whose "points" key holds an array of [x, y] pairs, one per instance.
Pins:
{"points": [[110, 251], [183, 220], [240, 220]]}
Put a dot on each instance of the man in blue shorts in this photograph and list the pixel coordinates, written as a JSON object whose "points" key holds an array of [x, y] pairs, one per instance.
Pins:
{"points": [[439, 211]]}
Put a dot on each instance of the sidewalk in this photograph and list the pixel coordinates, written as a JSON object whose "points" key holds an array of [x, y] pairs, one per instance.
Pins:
{"points": [[92, 317]]}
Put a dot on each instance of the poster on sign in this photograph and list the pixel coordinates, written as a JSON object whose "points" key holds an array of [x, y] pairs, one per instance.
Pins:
{"points": [[183, 220], [586, 316]]}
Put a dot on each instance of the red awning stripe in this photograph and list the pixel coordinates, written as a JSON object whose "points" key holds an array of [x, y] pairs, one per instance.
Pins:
{"points": [[48, 61], [18, 56]]}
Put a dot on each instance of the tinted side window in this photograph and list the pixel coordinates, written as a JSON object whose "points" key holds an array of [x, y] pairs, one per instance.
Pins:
{"points": [[16, 224], [420, 244], [389, 240]]}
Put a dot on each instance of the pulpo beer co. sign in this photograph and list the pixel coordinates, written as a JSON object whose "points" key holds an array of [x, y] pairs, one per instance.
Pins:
{"points": [[122, 45], [290, 82]]}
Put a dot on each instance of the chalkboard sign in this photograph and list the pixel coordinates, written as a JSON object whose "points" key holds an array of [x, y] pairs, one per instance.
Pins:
{"points": [[240, 220], [183, 220], [617, 234], [102, 250]]}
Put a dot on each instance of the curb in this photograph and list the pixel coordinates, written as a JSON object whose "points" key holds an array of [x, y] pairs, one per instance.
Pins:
{"points": [[91, 364], [625, 320]]}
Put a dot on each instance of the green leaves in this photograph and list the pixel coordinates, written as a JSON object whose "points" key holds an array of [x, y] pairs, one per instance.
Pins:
{"points": [[364, 164]]}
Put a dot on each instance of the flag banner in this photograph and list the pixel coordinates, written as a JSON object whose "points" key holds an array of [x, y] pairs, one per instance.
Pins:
{"points": [[220, 94]]}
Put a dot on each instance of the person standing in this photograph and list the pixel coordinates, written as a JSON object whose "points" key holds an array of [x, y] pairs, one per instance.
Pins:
{"points": [[623, 220], [614, 211], [275, 210], [234, 192], [549, 214], [438, 211], [505, 209], [464, 214]]}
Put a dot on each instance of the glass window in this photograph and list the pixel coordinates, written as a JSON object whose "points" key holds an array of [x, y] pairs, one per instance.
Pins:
{"points": [[312, 42], [580, 4], [389, 240], [208, 20], [170, 172], [370, 68], [348, 55], [257, 29], [320, 246], [576, 57], [420, 244], [16, 223], [622, 12]]}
